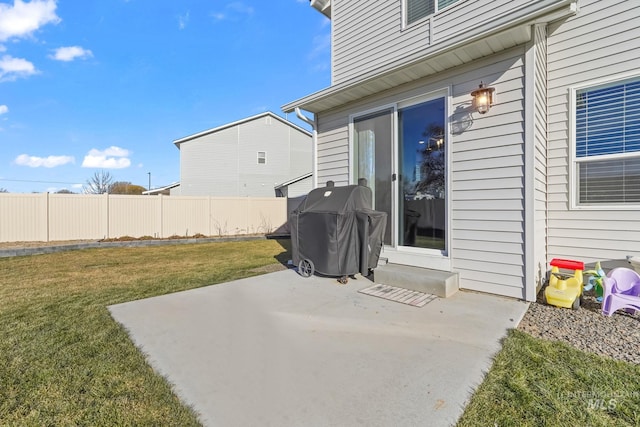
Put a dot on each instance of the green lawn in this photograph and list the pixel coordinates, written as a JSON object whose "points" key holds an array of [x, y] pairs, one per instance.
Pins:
{"points": [[535, 382], [64, 361]]}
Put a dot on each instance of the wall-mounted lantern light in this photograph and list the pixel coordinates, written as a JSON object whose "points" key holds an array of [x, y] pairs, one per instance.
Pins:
{"points": [[483, 98]]}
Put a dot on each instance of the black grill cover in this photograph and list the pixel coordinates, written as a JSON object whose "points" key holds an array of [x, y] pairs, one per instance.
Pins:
{"points": [[336, 229]]}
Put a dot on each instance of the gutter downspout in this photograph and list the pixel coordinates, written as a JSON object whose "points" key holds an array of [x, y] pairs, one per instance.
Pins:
{"points": [[314, 145]]}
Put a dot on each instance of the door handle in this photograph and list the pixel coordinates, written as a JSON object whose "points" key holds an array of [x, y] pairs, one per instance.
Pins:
{"points": [[393, 177]]}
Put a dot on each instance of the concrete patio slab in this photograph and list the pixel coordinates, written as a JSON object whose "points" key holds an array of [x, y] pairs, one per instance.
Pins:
{"points": [[282, 350]]}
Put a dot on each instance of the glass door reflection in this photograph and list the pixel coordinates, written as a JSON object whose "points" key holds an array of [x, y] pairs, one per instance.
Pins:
{"points": [[422, 164]]}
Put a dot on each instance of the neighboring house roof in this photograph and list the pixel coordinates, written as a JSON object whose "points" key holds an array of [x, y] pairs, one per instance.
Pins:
{"points": [[161, 190], [497, 33], [294, 180], [177, 142]]}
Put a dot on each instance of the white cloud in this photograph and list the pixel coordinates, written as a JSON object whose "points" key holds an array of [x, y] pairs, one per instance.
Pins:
{"points": [[233, 11], [77, 186], [113, 151], [111, 158], [183, 20], [47, 162], [3, 48], [13, 68], [241, 8], [3, 109], [69, 53], [22, 19]]}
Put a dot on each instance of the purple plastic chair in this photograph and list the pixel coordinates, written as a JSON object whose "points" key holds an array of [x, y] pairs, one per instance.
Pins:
{"points": [[621, 291]]}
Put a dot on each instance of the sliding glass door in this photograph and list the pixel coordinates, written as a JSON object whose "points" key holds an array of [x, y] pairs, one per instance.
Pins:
{"points": [[422, 171], [401, 152], [373, 149]]}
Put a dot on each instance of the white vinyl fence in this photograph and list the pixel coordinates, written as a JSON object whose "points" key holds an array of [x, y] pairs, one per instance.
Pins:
{"points": [[55, 217]]}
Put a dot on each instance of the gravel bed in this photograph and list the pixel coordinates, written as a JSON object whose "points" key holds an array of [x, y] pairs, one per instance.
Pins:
{"points": [[587, 328]]}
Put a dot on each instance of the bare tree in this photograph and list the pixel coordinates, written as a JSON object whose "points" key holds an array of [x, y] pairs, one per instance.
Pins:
{"points": [[99, 183], [3, 190], [64, 191]]}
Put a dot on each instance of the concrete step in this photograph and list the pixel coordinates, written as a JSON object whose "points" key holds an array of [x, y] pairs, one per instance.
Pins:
{"points": [[440, 283]]}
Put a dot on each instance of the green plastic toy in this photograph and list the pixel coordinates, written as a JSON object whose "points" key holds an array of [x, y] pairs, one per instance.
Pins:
{"points": [[596, 278]]}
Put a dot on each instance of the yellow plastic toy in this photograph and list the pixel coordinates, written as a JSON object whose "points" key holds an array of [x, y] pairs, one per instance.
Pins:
{"points": [[564, 290]]}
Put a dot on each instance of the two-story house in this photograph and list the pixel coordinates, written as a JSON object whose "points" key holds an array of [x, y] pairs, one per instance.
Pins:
{"points": [[496, 134], [259, 156]]}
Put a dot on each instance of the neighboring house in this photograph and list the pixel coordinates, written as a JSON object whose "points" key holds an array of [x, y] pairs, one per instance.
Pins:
{"points": [[167, 190], [551, 170], [295, 187], [247, 158]]}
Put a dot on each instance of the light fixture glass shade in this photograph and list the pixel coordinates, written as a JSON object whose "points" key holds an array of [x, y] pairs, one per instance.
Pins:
{"points": [[483, 98]]}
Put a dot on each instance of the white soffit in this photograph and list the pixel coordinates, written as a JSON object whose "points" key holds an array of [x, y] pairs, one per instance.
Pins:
{"points": [[338, 95], [458, 53], [322, 6]]}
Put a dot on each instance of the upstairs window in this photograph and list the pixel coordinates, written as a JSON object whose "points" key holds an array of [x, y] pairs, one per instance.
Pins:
{"points": [[607, 144], [418, 9], [262, 157]]}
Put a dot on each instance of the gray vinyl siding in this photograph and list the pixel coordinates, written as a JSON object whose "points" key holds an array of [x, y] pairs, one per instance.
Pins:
{"points": [[300, 147], [209, 166], [225, 162], [300, 188], [487, 168], [333, 149], [468, 14], [600, 42], [369, 35], [488, 183]]}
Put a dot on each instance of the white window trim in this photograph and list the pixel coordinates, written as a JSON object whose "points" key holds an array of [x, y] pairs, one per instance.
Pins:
{"points": [[574, 181], [406, 24], [443, 92], [258, 158]]}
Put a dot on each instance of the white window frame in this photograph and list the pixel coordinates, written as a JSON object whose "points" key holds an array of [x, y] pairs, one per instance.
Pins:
{"points": [[263, 157], [429, 258], [405, 14], [574, 179]]}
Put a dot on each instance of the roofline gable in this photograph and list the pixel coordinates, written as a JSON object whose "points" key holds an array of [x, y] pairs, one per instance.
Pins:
{"points": [[179, 141]]}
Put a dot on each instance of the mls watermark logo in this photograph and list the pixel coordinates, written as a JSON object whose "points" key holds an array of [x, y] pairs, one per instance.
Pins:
{"points": [[599, 401], [602, 404]]}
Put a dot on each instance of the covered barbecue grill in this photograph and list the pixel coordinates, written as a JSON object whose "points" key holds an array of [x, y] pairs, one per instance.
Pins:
{"points": [[335, 232]]}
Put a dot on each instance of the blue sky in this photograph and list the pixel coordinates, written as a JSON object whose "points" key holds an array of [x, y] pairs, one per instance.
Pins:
{"points": [[109, 84]]}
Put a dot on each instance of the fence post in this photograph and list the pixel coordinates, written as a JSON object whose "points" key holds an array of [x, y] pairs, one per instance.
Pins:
{"points": [[48, 214], [249, 215], [107, 215], [161, 214], [209, 214]]}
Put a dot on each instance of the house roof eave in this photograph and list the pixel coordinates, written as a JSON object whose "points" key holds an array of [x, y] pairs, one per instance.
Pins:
{"points": [[460, 49], [294, 180], [160, 189]]}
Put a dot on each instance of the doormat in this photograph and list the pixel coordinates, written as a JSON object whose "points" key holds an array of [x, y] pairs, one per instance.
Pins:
{"points": [[401, 295]]}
